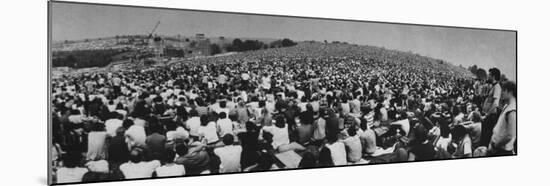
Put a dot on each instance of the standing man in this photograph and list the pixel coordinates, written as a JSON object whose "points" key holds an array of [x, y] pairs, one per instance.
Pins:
{"points": [[245, 77], [504, 133], [491, 106], [222, 81], [116, 85]]}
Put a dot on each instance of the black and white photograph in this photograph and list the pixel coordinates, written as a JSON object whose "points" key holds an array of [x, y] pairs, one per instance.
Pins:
{"points": [[140, 92]]}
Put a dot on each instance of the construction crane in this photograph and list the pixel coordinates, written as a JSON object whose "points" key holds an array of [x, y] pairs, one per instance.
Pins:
{"points": [[152, 42], [154, 28], [156, 43]]}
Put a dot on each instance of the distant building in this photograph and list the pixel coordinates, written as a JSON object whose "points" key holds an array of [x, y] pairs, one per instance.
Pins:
{"points": [[157, 44], [202, 45]]}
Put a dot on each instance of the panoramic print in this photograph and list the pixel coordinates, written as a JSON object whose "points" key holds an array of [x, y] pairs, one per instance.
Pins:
{"points": [[142, 92]]}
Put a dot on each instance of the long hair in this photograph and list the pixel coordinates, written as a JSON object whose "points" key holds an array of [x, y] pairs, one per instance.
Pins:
{"points": [[325, 158]]}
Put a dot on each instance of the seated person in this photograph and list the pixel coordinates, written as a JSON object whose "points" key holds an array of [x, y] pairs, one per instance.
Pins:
{"points": [[224, 125], [325, 158], [421, 148], [71, 172], [169, 168], [368, 139], [353, 146], [281, 141], [250, 144], [337, 149], [137, 167], [264, 163], [230, 155], [207, 131], [308, 160], [194, 158], [462, 141], [473, 127]]}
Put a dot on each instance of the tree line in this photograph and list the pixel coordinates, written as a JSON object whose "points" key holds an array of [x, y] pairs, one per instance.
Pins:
{"points": [[239, 45], [84, 58]]}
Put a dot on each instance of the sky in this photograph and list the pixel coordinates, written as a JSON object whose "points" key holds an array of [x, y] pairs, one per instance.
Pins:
{"points": [[459, 46]]}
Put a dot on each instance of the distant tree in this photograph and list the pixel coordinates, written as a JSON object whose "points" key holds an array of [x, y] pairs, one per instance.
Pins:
{"points": [[251, 45], [215, 49], [85, 58], [237, 44], [71, 61], [248, 45], [275, 44], [227, 47], [287, 42]]}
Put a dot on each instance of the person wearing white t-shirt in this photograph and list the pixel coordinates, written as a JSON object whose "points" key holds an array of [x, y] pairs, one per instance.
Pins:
{"points": [[70, 175], [303, 106], [97, 142], [70, 172], [266, 82], [135, 136], [111, 106], [170, 168], [179, 133], [215, 106], [337, 150], [224, 125], [100, 166], [230, 155], [112, 124], [193, 123], [136, 167], [222, 108], [244, 96], [279, 132], [207, 131]]}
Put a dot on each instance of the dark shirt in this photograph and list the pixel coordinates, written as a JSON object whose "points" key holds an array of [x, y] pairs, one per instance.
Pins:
{"points": [[249, 142], [118, 150], [423, 151], [156, 143], [332, 126]]}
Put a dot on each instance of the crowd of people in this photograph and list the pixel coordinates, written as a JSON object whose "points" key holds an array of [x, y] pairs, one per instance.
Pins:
{"points": [[331, 104]]}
